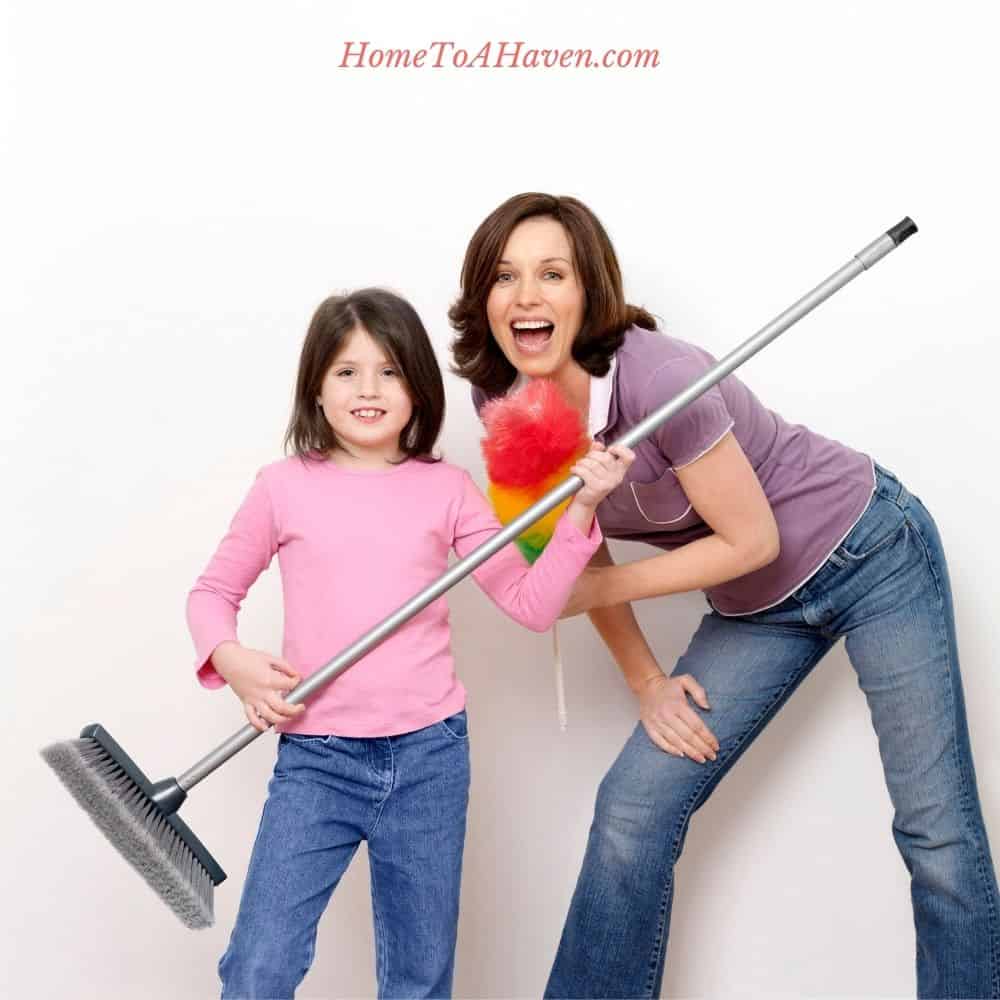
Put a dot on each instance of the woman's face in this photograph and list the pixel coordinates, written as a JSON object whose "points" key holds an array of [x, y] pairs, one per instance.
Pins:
{"points": [[536, 306]]}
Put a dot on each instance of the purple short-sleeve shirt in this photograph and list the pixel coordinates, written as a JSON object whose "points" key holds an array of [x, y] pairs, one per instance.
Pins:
{"points": [[817, 488]]}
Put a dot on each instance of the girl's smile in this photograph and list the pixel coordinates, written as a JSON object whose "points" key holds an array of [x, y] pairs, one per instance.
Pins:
{"points": [[366, 402], [369, 416]]}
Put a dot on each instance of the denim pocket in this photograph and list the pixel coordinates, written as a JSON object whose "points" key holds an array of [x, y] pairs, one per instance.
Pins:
{"points": [[456, 726], [879, 526], [303, 739]]}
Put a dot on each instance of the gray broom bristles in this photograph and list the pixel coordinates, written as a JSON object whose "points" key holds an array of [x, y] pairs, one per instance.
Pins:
{"points": [[135, 826]]}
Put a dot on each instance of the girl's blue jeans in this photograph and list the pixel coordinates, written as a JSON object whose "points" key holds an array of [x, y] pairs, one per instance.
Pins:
{"points": [[407, 797], [886, 590]]}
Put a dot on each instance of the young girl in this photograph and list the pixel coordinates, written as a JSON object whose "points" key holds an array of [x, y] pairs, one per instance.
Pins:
{"points": [[362, 517]]}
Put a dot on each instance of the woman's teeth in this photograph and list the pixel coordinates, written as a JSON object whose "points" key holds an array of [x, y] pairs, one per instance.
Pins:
{"points": [[368, 414], [532, 336]]}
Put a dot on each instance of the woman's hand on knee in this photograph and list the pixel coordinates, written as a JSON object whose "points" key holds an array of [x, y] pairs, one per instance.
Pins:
{"points": [[669, 720]]}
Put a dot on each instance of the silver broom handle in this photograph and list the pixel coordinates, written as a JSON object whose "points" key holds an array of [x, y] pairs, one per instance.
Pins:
{"points": [[861, 261]]}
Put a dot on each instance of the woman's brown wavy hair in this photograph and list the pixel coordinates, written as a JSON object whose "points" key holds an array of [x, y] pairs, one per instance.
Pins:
{"points": [[607, 315]]}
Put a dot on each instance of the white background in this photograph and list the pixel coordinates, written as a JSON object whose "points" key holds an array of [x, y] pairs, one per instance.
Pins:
{"points": [[183, 183]]}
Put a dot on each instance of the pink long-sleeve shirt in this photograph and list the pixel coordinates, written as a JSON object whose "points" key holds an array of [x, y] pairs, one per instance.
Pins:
{"points": [[353, 545]]}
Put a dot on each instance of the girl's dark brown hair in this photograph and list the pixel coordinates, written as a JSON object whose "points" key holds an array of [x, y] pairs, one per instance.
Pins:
{"points": [[395, 326], [606, 318]]}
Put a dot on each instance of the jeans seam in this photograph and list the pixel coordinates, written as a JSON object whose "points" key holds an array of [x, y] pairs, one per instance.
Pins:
{"points": [[389, 790], [659, 948], [970, 827], [310, 952], [382, 949], [369, 745], [381, 961]]}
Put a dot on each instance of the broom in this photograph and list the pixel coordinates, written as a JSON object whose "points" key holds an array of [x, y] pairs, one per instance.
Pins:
{"points": [[139, 817]]}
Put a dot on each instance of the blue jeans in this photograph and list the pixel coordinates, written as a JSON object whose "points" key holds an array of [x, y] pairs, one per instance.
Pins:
{"points": [[886, 590], [407, 796]]}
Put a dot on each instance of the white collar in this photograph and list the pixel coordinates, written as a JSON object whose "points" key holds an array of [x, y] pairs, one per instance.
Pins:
{"points": [[600, 397]]}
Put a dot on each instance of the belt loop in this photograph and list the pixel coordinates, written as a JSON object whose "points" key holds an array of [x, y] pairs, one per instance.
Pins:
{"points": [[898, 496]]}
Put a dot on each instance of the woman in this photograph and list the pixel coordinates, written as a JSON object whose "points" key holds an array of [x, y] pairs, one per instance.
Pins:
{"points": [[796, 540]]}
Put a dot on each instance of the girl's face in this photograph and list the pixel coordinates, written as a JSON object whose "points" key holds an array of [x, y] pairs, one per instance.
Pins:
{"points": [[365, 400], [536, 306]]}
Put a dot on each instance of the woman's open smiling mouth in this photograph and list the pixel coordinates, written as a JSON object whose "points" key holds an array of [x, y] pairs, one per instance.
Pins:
{"points": [[532, 336]]}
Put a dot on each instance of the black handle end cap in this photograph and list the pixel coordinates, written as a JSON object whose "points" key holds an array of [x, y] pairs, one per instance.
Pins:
{"points": [[903, 230]]}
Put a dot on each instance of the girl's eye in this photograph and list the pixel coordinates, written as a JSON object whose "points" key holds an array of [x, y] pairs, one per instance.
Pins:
{"points": [[552, 274], [504, 277], [345, 371], [391, 372]]}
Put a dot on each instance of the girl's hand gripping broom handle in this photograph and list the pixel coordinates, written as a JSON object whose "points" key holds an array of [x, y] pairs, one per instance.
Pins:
{"points": [[861, 261]]}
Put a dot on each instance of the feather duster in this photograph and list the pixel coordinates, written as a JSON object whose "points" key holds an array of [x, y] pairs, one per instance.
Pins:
{"points": [[533, 437]]}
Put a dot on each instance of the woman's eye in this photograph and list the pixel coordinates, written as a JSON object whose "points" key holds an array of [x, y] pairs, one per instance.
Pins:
{"points": [[552, 274], [504, 277], [391, 372], [345, 372]]}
